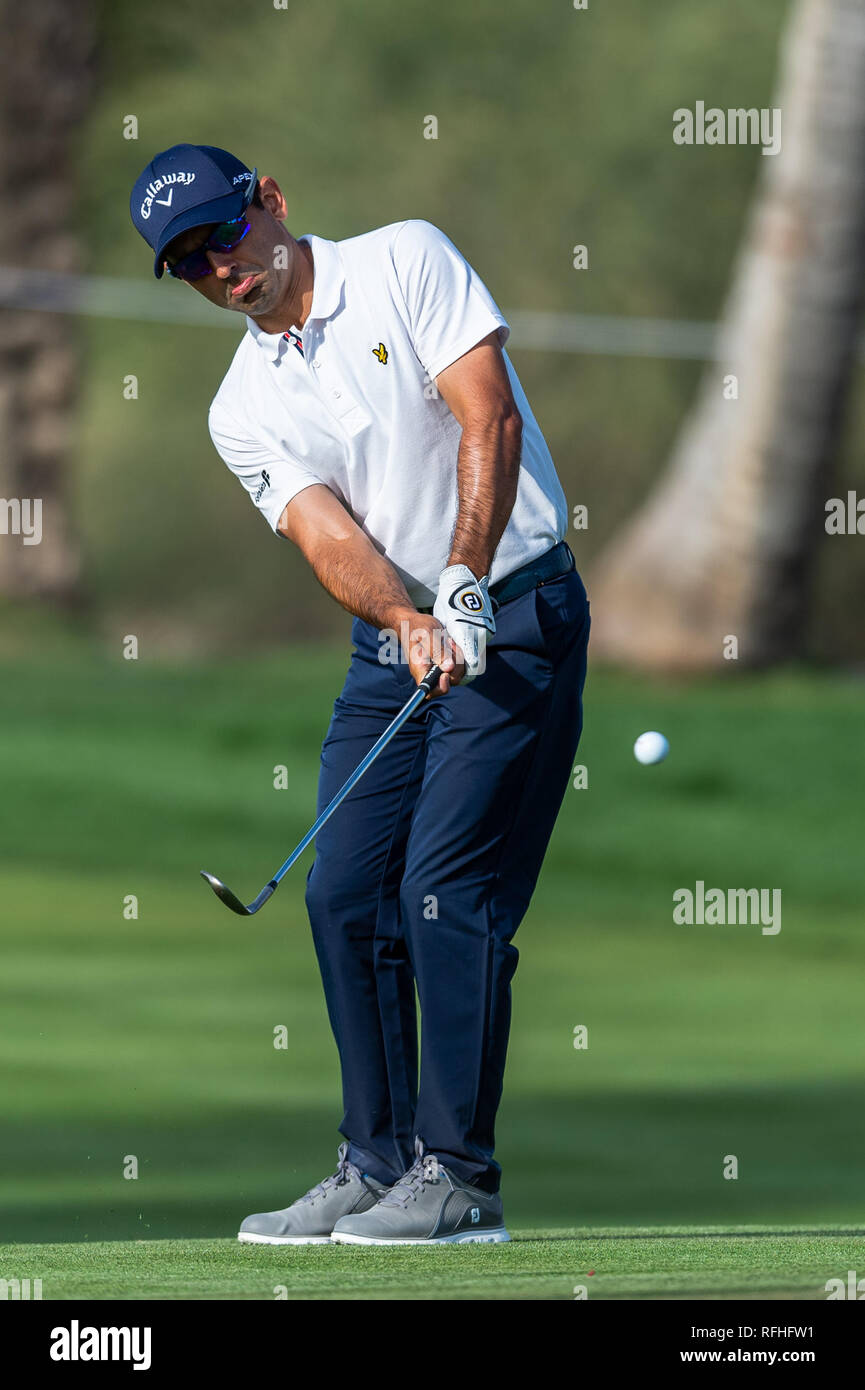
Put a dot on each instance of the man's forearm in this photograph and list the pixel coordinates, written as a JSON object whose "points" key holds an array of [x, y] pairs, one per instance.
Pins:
{"points": [[488, 468], [362, 580]]}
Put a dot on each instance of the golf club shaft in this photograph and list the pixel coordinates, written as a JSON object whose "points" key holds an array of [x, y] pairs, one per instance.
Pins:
{"points": [[425, 688], [231, 900]]}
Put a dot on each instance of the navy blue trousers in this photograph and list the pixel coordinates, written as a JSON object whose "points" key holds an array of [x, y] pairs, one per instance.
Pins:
{"points": [[423, 875]]}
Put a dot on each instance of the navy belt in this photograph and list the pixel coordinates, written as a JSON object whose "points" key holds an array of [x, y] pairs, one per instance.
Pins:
{"points": [[551, 565]]}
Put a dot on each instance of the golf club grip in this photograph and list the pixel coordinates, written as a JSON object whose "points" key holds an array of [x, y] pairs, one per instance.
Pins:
{"points": [[430, 680]]}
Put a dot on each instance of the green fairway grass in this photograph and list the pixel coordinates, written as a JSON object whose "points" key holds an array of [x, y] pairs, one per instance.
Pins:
{"points": [[594, 1264], [152, 1039]]}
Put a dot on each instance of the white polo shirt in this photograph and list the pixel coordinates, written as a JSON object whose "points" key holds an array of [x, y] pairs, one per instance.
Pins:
{"points": [[357, 408]]}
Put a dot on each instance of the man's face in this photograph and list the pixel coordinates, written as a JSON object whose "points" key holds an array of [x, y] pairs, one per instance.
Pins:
{"points": [[245, 278]]}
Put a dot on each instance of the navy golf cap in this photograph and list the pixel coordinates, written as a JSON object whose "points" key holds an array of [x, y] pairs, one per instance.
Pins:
{"points": [[188, 186]]}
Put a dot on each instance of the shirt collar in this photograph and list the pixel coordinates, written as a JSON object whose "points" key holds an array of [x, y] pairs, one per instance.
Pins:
{"points": [[328, 280], [328, 277]]}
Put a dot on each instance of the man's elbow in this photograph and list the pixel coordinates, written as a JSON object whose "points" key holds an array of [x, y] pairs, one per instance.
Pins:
{"points": [[510, 426], [512, 423], [502, 419]]}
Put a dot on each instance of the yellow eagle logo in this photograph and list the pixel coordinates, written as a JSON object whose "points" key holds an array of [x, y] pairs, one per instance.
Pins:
{"points": [[381, 353]]}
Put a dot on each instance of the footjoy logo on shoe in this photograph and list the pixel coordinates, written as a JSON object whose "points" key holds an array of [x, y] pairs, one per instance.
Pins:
{"points": [[76, 1343], [476, 1215]]}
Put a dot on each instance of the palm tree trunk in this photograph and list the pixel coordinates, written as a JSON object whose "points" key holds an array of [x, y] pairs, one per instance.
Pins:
{"points": [[725, 545], [45, 84]]}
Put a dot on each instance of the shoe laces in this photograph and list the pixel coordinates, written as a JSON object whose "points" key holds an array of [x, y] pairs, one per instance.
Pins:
{"points": [[426, 1168], [344, 1173]]}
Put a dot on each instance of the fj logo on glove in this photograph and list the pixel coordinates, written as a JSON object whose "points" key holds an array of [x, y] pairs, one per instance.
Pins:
{"points": [[463, 608], [468, 599]]}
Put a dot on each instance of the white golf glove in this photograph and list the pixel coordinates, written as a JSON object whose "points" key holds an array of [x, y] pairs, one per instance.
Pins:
{"points": [[463, 607]]}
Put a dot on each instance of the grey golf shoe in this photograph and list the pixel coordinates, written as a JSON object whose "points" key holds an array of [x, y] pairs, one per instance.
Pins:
{"points": [[310, 1220], [428, 1206]]}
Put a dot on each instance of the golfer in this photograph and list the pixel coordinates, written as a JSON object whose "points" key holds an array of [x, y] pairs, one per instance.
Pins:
{"points": [[376, 421]]}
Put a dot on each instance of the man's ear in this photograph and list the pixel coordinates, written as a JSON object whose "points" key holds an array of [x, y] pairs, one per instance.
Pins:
{"points": [[271, 197]]}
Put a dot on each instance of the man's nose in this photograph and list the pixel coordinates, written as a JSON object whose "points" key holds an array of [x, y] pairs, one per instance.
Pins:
{"points": [[222, 263]]}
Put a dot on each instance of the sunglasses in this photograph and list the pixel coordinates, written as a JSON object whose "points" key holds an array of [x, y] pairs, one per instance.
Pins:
{"points": [[195, 265]]}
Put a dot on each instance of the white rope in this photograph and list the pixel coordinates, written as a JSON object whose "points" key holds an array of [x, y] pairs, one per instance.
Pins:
{"points": [[102, 296]]}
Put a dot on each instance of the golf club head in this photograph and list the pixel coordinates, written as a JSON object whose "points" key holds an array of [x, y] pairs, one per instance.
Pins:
{"points": [[225, 894]]}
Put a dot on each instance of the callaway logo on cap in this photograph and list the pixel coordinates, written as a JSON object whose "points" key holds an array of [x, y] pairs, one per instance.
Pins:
{"points": [[188, 186]]}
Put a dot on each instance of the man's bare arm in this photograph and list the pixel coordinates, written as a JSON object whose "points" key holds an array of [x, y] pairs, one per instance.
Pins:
{"points": [[347, 564], [477, 390], [343, 558]]}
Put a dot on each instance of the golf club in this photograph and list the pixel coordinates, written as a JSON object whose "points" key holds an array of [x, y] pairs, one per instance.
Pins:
{"points": [[425, 688]]}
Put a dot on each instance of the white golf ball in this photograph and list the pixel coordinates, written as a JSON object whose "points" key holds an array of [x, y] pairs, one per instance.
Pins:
{"points": [[651, 747]]}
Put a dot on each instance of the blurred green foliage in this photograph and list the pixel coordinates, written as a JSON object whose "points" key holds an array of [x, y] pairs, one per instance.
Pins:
{"points": [[554, 129]]}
